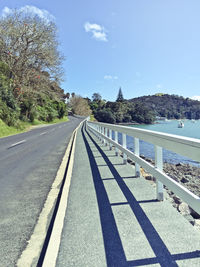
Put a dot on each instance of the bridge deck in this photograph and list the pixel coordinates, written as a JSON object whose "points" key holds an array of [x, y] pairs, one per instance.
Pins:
{"points": [[113, 218]]}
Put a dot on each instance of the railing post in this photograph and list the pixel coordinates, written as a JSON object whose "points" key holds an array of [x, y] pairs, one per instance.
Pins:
{"points": [[159, 166], [110, 136], [96, 130], [124, 145], [99, 131], [104, 133], [137, 153], [116, 140]]}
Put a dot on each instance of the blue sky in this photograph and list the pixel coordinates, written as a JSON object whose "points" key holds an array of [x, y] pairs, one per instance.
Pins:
{"points": [[142, 46]]}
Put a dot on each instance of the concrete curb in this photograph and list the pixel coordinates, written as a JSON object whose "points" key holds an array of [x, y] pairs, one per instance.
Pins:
{"points": [[31, 253], [54, 242]]}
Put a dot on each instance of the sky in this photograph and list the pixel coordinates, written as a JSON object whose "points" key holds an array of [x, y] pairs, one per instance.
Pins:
{"points": [[143, 46]]}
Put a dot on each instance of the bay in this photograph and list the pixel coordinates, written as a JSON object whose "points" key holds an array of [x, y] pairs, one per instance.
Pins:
{"points": [[190, 129]]}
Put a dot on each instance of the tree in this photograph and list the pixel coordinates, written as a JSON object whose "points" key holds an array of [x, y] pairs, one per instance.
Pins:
{"points": [[120, 97], [29, 49], [105, 116], [96, 97], [28, 45], [9, 110], [67, 95], [79, 106]]}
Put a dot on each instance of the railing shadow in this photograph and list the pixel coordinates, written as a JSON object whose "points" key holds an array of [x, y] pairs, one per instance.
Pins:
{"points": [[115, 254]]}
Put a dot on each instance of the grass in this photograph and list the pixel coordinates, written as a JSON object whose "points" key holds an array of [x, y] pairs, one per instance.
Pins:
{"points": [[6, 130], [92, 118]]}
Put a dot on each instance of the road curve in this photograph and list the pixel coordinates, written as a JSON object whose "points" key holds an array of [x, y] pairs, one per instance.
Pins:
{"points": [[28, 166]]}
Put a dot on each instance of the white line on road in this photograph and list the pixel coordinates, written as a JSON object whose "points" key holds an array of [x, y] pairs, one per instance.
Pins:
{"points": [[18, 143], [43, 133]]}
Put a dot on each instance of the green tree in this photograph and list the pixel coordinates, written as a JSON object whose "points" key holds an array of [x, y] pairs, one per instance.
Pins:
{"points": [[105, 116], [29, 46], [120, 97], [96, 97]]}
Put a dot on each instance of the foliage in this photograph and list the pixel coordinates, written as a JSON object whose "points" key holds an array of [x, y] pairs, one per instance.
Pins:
{"points": [[96, 97], [170, 106], [9, 111], [121, 112], [120, 97], [79, 106], [105, 116], [28, 46], [29, 70]]}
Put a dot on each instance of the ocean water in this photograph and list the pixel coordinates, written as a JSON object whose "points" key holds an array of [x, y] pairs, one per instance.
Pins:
{"points": [[190, 129]]}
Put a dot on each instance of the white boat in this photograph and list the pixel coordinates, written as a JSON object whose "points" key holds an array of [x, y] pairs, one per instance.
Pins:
{"points": [[181, 124]]}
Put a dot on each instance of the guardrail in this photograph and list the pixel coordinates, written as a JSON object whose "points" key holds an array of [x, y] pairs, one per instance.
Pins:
{"points": [[189, 147]]}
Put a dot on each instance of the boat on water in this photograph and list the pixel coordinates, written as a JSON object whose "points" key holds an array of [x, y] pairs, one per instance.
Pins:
{"points": [[180, 124]]}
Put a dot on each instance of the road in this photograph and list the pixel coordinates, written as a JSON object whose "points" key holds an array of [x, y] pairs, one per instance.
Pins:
{"points": [[28, 166]]}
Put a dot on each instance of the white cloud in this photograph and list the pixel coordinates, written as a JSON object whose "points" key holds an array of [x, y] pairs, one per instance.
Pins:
{"points": [[196, 97], [92, 27], [101, 36], [98, 31], [31, 10], [6, 11], [110, 77]]}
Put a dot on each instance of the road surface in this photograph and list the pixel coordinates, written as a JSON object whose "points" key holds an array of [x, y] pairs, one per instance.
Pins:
{"points": [[28, 166]]}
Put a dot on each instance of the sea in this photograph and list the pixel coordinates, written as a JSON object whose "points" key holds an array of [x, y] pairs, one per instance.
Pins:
{"points": [[191, 129]]}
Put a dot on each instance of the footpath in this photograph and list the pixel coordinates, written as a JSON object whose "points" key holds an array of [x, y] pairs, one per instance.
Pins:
{"points": [[113, 219]]}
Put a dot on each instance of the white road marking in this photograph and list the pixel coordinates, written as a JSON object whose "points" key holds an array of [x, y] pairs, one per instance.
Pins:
{"points": [[43, 133], [18, 143]]}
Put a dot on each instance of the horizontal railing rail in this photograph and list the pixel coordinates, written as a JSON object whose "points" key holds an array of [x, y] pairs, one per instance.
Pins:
{"points": [[185, 146]]}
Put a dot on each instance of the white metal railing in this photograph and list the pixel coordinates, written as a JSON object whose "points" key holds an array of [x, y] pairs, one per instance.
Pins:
{"points": [[189, 147]]}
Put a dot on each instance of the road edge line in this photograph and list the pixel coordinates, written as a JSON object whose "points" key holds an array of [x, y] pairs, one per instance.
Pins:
{"points": [[31, 253]]}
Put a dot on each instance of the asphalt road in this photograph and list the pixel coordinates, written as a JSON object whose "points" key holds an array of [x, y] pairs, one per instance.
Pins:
{"points": [[28, 166]]}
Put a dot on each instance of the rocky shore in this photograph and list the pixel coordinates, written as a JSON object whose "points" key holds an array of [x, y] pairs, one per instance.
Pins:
{"points": [[186, 175]]}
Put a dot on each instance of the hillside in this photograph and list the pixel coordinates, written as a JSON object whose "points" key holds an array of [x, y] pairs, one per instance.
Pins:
{"points": [[170, 106]]}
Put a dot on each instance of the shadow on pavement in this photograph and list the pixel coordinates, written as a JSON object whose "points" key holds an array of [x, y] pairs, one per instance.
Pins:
{"points": [[115, 254]]}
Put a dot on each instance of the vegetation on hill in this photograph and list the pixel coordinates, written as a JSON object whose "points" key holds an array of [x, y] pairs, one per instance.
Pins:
{"points": [[30, 71], [143, 109], [170, 106], [120, 111]]}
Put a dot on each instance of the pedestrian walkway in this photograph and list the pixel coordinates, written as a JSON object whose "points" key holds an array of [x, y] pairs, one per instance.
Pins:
{"points": [[113, 219]]}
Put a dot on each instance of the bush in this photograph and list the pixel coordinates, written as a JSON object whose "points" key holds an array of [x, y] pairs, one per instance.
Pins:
{"points": [[105, 116], [7, 114]]}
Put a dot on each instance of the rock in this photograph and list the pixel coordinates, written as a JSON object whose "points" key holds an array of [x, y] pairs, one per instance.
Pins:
{"points": [[179, 164], [149, 177], [189, 176], [184, 180], [177, 200], [184, 209]]}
